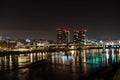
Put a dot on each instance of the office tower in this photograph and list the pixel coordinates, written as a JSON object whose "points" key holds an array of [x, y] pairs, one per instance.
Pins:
{"points": [[63, 36], [79, 36]]}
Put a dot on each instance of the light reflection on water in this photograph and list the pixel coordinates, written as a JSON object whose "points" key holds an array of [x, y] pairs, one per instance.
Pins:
{"points": [[86, 61], [16, 61], [71, 64]]}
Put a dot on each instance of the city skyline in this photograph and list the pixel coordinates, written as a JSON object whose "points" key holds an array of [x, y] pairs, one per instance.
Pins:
{"points": [[23, 19]]}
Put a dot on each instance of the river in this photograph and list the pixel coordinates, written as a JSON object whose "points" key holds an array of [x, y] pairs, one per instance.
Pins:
{"points": [[62, 65]]}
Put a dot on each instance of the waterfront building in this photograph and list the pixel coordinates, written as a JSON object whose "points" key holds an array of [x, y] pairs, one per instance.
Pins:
{"points": [[4, 45], [76, 36], [63, 36], [79, 36]]}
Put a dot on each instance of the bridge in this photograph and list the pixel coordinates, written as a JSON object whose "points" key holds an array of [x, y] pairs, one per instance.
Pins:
{"points": [[88, 44]]}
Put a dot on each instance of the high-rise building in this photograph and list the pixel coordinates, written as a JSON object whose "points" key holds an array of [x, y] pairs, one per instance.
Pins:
{"points": [[82, 36], [79, 36], [76, 36], [63, 36], [66, 36], [59, 36]]}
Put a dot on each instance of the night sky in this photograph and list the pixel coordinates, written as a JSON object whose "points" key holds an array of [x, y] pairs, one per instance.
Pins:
{"points": [[39, 20]]}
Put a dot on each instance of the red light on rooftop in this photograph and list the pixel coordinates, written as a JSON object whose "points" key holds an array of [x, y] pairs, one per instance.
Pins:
{"points": [[85, 30], [65, 30]]}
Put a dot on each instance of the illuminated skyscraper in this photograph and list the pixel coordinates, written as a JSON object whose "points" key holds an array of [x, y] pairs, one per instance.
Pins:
{"points": [[79, 36], [76, 36], [82, 36], [66, 36], [63, 36], [59, 36]]}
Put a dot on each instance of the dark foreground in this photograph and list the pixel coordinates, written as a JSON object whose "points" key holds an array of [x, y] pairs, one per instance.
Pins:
{"points": [[107, 73], [40, 71], [45, 71]]}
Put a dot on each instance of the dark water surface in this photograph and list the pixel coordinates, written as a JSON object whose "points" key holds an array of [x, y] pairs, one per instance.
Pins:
{"points": [[70, 65]]}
